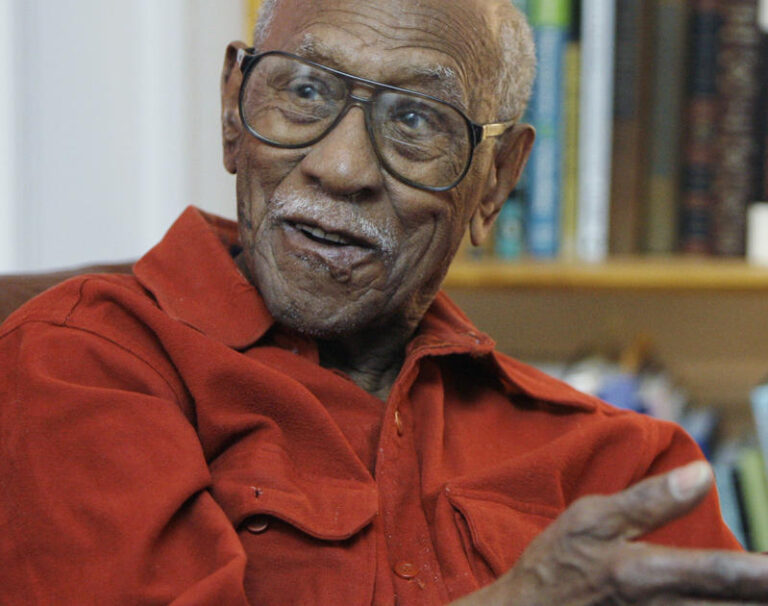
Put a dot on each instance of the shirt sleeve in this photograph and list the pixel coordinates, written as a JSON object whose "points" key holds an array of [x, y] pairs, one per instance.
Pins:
{"points": [[703, 527], [104, 483]]}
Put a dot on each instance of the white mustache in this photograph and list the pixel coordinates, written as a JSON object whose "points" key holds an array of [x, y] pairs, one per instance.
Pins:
{"points": [[333, 213]]}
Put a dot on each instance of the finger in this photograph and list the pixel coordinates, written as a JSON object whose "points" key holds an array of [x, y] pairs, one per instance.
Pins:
{"points": [[645, 506], [644, 572], [668, 601]]}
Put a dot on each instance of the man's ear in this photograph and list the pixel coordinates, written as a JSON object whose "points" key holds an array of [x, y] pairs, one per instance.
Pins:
{"points": [[509, 163], [231, 126]]}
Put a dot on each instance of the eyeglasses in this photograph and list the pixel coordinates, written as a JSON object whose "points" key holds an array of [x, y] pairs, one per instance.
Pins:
{"points": [[289, 102]]}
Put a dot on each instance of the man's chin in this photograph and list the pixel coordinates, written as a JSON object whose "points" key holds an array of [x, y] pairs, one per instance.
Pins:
{"points": [[327, 327]]}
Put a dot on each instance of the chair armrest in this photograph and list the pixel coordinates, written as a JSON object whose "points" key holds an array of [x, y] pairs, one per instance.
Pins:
{"points": [[15, 290]]}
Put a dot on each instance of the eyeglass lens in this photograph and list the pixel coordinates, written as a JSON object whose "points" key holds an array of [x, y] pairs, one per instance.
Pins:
{"points": [[290, 103]]}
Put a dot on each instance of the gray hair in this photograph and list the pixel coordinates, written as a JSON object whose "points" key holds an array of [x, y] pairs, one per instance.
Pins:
{"points": [[517, 63], [263, 22], [517, 56]]}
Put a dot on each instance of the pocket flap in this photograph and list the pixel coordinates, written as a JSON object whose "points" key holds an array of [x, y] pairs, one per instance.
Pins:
{"points": [[327, 508], [500, 527]]}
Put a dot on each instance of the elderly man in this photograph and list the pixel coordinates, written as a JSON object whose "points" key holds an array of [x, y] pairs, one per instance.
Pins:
{"points": [[288, 411]]}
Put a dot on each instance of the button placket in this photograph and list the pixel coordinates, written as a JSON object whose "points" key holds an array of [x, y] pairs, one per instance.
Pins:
{"points": [[416, 574]]}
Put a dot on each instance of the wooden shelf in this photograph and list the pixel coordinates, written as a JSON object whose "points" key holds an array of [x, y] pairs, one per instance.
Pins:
{"points": [[656, 273]]}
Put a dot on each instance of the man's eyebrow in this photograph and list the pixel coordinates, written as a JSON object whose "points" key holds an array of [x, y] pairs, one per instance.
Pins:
{"points": [[437, 80], [315, 50]]}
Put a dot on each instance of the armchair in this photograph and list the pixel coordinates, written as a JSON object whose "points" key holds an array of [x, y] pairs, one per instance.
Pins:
{"points": [[15, 290]]}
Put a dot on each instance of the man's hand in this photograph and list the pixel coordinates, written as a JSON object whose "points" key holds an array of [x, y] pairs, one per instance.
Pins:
{"points": [[588, 556]]}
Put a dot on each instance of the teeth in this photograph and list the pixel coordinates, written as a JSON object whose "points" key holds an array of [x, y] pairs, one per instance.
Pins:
{"points": [[322, 235]]}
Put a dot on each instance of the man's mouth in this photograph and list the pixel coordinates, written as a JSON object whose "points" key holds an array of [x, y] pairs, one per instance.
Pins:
{"points": [[319, 235]]}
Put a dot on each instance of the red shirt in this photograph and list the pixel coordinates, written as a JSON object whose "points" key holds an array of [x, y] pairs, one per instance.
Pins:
{"points": [[163, 440]]}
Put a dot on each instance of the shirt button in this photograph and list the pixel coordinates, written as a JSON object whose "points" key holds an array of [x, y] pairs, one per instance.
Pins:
{"points": [[398, 423], [257, 524], [406, 570]]}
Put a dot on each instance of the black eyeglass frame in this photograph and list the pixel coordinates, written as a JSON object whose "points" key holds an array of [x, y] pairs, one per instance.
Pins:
{"points": [[477, 133]]}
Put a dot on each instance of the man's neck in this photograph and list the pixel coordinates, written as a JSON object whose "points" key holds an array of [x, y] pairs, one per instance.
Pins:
{"points": [[372, 363]]}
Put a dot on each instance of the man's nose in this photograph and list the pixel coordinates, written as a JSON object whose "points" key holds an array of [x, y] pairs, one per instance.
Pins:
{"points": [[344, 161]]}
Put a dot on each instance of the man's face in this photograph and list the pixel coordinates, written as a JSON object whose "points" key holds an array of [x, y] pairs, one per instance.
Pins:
{"points": [[336, 245]]}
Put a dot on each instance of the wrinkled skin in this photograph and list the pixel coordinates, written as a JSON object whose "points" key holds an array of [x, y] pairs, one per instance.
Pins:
{"points": [[588, 557], [363, 302]]}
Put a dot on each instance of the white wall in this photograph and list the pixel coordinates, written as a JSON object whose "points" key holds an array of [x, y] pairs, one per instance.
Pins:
{"points": [[7, 139], [115, 107]]}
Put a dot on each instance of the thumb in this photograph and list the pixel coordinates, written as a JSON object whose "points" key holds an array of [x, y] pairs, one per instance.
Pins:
{"points": [[658, 500]]}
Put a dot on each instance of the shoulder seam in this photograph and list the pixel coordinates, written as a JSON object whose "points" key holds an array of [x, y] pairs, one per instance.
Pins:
{"points": [[147, 363]]}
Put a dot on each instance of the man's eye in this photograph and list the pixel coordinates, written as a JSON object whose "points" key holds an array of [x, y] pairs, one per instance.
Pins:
{"points": [[306, 91], [413, 120]]}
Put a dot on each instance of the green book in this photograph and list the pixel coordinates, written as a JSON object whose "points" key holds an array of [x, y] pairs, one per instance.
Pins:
{"points": [[753, 489]]}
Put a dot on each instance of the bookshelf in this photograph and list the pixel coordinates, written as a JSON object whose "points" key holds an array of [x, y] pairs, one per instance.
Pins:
{"points": [[706, 320], [689, 153], [618, 273]]}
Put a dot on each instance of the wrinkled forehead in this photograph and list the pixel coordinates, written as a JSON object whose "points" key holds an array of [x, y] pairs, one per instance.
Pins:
{"points": [[437, 45]]}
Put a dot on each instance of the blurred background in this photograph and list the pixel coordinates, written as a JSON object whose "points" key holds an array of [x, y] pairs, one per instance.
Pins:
{"points": [[109, 124]]}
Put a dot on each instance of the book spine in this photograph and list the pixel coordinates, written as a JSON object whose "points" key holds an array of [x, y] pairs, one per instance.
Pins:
{"points": [[762, 168], [662, 198], [700, 138], [509, 240], [758, 399], [251, 8], [762, 16], [754, 494], [570, 197], [630, 124], [549, 19], [595, 128], [738, 69], [509, 231], [724, 463]]}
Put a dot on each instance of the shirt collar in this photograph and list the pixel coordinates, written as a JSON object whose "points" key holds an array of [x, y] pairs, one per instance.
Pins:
{"points": [[445, 330], [192, 275], [194, 279]]}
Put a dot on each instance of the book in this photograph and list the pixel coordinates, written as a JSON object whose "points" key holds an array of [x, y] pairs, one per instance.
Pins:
{"points": [[738, 72], [549, 20], [700, 136], [758, 400], [570, 195], [724, 460], [753, 493], [634, 19], [251, 8], [762, 16], [762, 117], [509, 236], [595, 128], [669, 59]]}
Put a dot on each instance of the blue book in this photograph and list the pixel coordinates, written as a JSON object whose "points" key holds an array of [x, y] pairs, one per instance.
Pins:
{"points": [[724, 463], [550, 20], [509, 240], [598, 34], [759, 403]]}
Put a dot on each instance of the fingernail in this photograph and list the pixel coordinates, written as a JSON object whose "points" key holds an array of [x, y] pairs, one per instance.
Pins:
{"points": [[687, 481]]}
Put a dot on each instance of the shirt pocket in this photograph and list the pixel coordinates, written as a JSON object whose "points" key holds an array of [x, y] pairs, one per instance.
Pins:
{"points": [[493, 529], [308, 539]]}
